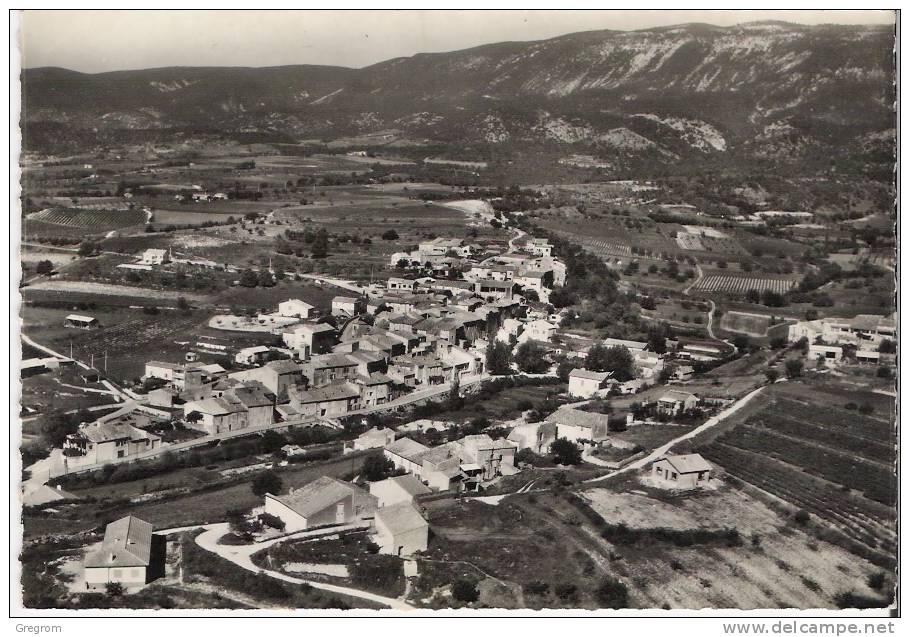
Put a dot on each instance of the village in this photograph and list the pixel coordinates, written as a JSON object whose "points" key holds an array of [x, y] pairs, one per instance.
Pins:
{"points": [[357, 373]]}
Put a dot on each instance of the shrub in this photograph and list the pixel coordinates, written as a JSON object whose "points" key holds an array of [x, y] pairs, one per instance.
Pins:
{"points": [[465, 591], [801, 517], [876, 580], [113, 589], [567, 592], [266, 482], [536, 588], [612, 594], [853, 600]]}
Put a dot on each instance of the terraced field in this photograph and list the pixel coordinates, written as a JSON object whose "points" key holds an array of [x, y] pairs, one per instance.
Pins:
{"points": [[735, 284], [831, 461]]}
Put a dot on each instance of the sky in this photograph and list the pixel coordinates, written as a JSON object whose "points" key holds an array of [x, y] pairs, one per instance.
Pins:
{"points": [[98, 41]]}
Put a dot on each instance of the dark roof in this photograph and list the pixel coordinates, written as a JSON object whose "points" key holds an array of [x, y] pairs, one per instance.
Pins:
{"points": [[127, 542]]}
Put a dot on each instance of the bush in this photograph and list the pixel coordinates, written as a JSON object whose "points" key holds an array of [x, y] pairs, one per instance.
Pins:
{"points": [[272, 521], [266, 482], [113, 589], [801, 517], [612, 594], [876, 581], [465, 591], [536, 588], [567, 592]]}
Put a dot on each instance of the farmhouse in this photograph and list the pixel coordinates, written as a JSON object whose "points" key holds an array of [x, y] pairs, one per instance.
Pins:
{"points": [[688, 471], [374, 438], [322, 502], [125, 557], [81, 322], [539, 247], [539, 330], [215, 415], [252, 355], [400, 530], [101, 442], [576, 425], [155, 256], [181, 377], [585, 384], [398, 489], [536, 436], [347, 306], [325, 402], [295, 308], [675, 402], [276, 376], [395, 284], [310, 338], [406, 454], [491, 290], [828, 353]]}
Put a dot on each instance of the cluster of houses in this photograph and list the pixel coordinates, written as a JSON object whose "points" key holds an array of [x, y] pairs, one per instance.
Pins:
{"points": [[827, 337], [495, 277]]}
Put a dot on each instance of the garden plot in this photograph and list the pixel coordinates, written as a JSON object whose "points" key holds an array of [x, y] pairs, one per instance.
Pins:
{"points": [[741, 284]]}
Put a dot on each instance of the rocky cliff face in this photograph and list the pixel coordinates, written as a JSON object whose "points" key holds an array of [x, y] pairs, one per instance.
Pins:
{"points": [[691, 90]]}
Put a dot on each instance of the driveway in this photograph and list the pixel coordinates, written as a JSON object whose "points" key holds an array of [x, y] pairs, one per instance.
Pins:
{"points": [[663, 449], [241, 556]]}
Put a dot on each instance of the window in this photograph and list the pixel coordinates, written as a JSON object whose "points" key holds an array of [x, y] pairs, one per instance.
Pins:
{"points": [[673, 475]]}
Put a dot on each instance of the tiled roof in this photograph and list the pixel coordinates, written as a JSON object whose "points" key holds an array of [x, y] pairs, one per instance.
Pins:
{"points": [[127, 542], [688, 463]]}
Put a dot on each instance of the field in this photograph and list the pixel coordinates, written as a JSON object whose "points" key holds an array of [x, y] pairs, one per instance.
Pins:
{"points": [[563, 556], [743, 323], [810, 450], [204, 505], [735, 284], [90, 219]]}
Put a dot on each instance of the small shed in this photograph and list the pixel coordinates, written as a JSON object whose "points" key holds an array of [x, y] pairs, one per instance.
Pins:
{"points": [[81, 322], [688, 471]]}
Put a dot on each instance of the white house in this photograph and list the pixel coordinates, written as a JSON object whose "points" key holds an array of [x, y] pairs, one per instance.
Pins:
{"points": [[829, 353], [539, 330], [125, 555], [322, 502], [295, 308], [154, 256], [398, 489], [688, 471], [400, 530], [584, 383], [374, 438], [675, 402], [252, 355], [81, 322]]}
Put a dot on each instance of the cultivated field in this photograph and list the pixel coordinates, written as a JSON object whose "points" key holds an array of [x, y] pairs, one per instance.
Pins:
{"points": [[810, 450], [90, 219], [734, 284]]}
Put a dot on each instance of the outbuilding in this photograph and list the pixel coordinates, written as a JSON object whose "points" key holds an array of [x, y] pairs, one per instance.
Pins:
{"points": [[689, 471]]}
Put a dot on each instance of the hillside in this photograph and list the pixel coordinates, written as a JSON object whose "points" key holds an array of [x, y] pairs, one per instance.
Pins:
{"points": [[770, 90]]}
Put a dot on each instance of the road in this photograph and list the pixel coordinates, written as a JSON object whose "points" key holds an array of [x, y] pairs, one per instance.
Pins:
{"points": [[241, 556], [663, 449], [519, 234], [40, 472]]}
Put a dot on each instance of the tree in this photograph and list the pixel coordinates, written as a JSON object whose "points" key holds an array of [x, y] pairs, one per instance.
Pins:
{"points": [[499, 358], [887, 346], [377, 467], [465, 591], [793, 367], [616, 359], [565, 451], [266, 482], [266, 279], [741, 342], [657, 341], [182, 303], [390, 235], [86, 249], [44, 267], [530, 358], [753, 296], [320, 247], [271, 441], [56, 426], [249, 279], [771, 375]]}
